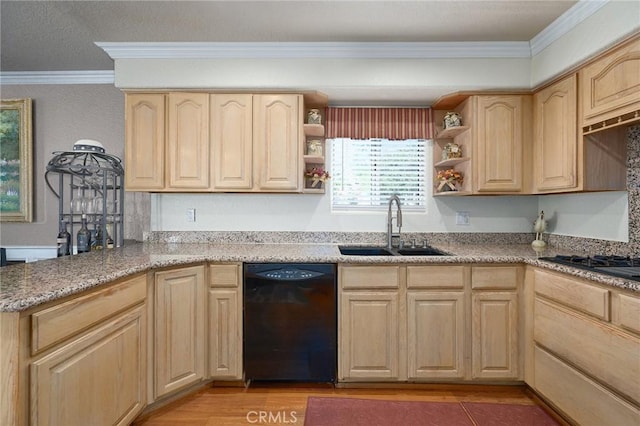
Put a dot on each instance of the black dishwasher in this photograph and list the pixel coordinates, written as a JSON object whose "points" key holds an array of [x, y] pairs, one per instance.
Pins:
{"points": [[290, 322]]}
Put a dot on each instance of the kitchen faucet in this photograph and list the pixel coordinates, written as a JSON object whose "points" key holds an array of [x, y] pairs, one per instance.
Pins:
{"points": [[390, 233]]}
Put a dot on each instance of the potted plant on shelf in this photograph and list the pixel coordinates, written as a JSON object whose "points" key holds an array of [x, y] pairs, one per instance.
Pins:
{"points": [[317, 176], [449, 180]]}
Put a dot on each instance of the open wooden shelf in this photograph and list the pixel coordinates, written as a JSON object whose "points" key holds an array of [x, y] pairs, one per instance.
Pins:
{"points": [[451, 162], [451, 132], [313, 159], [311, 132], [451, 193], [314, 190], [314, 130]]}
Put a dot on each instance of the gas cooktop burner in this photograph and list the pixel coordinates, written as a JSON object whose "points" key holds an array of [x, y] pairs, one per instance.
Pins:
{"points": [[618, 266], [597, 260]]}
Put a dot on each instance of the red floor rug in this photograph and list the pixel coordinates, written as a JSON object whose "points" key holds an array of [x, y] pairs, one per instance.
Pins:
{"points": [[323, 411]]}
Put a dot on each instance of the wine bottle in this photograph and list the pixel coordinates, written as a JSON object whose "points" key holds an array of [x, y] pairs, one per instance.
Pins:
{"points": [[64, 240], [84, 236], [109, 239], [97, 243]]}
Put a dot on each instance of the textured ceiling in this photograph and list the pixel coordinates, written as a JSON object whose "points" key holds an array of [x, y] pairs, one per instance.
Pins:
{"points": [[60, 35]]}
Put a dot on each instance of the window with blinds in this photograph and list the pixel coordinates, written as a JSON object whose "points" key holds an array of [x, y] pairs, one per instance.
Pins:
{"points": [[365, 173]]}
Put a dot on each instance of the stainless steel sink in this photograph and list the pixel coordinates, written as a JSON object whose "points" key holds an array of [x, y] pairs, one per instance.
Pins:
{"points": [[421, 251], [383, 251], [365, 251]]}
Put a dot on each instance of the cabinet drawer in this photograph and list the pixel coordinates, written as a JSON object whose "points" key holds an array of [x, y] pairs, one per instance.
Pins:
{"points": [[369, 276], [574, 293], [435, 276], [494, 277], [221, 276], [585, 401], [606, 353], [628, 312], [59, 322]]}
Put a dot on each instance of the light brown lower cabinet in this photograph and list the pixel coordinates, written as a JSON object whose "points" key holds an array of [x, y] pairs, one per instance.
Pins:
{"points": [[369, 323], [89, 366], [436, 321], [429, 323], [179, 329], [84, 360], [496, 322], [369, 336], [96, 379], [495, 335], [587, 349], [585, 400], [225, 321], [435, 334]]}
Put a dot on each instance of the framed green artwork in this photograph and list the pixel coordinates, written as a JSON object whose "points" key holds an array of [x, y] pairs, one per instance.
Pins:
{"points": [[16, 160]]}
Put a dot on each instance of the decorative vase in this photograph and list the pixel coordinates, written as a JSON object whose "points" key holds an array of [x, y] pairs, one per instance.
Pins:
{"points": [[451, 150], [446, 186], [314, 148], [314, 184], [452, 119], [314, 117]]}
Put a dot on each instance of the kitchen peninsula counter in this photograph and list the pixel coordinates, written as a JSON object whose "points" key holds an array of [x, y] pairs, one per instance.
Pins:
{"points": [[23, 286]]}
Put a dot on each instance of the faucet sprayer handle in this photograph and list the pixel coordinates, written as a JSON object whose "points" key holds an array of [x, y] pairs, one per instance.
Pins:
{"points": [[399, 212]]}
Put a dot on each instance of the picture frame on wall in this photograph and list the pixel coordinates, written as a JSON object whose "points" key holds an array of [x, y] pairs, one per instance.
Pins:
{"points": [[16, 160]]}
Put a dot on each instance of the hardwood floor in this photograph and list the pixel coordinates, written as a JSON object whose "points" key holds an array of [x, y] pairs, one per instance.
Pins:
{"points": [[230, 406]]}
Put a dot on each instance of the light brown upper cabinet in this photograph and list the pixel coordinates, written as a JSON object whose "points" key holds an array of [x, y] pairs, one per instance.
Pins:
{"points": [[188, 141], [580, 140], [145, 141], [495, 142], [202, 142], [555, 137], [502, 131], [277, 136], [256, 141], [167, 142], [610, 87], [566, 159], [232, 138]]}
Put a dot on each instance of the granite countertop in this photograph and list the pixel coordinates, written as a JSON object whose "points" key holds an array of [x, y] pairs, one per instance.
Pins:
{"points": [[23, 286]]}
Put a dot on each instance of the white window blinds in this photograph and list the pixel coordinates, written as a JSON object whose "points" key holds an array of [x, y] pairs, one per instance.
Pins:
{"points": [[365, 173]]}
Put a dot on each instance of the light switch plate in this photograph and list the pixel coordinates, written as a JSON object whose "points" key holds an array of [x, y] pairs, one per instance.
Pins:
{"points": [[191, 215], [462, 218]]}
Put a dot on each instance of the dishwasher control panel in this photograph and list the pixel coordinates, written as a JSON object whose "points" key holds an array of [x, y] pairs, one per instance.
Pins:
{"points": [[288, 274]]}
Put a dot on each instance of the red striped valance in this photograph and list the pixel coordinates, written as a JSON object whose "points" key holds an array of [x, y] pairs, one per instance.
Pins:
{"points": [[383, 123]]}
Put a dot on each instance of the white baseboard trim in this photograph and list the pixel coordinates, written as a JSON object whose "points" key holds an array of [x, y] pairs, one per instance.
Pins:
{"points": [[30, 254]]}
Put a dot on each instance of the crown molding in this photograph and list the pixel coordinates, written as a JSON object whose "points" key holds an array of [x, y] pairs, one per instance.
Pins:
{"points": [[296, 50], [345, 50], [565, 23], [57, 77]]}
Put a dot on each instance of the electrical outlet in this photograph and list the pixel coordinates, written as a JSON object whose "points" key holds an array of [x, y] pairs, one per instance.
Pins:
{"points": [[462, 218], [191, 215]]}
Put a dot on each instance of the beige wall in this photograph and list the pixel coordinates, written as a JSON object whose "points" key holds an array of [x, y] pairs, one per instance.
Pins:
{"points": [[62, 114]]}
